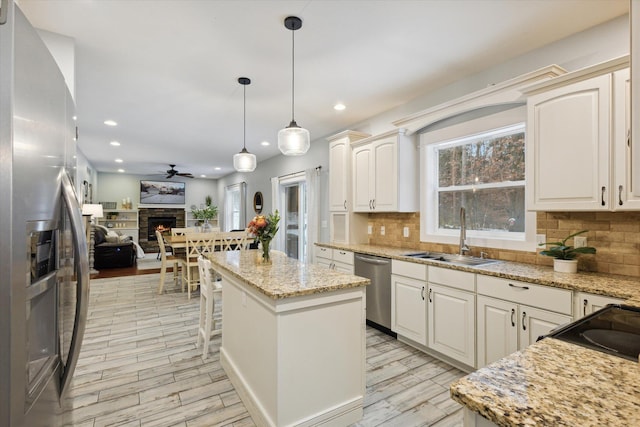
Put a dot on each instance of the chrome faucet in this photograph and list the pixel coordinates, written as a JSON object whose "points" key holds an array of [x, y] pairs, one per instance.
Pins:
{"points": [[464, 248]]}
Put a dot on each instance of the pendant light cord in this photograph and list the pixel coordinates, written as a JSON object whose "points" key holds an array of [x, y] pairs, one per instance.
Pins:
{"points": [[293, 73], [244, 118]]}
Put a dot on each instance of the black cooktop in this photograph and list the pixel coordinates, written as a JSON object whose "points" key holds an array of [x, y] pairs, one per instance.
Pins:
{"points": [[614, 329]]}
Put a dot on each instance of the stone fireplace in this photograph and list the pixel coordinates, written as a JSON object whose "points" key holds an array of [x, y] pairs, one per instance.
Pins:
{"points": [[151, 218]]}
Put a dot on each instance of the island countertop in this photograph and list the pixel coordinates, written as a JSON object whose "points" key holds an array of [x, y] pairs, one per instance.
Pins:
{"points": [[285, 277]]}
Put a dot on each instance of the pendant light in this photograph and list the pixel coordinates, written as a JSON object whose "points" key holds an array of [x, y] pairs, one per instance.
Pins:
{"points": [[293, 140], [244, 161]]}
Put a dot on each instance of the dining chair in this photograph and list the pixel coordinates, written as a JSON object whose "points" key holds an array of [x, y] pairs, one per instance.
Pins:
{"points": [[165, 259], [210, 293], [181, 231], [234, 240], [198, 244]]}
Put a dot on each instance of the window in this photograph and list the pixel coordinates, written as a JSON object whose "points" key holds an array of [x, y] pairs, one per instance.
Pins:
{"points": [[483, 170], [234, 207]]}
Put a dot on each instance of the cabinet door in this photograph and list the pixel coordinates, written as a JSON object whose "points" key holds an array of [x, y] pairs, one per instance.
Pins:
{"points": [[497, 329], [622, 192], [568, 146], [451, 326], [534, 323], [385, 175], [409, 308], [362, 199], [323, 256], [342, 267], [588, 303], [339, 179]]}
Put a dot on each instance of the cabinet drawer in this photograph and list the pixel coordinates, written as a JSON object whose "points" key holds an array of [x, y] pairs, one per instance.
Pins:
{"points": [[343, 256], [409, 269], [544, 297], [452, 278], [324, 252]]}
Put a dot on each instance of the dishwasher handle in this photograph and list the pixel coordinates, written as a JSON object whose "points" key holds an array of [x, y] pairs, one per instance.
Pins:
{"points": [[371, 260]]}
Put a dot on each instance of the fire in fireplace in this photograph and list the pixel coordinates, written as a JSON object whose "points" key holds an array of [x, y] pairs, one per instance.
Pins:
{"points": [[160, 223]]}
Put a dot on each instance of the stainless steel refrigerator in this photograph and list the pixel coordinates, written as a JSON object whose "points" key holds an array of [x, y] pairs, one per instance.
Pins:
{"points": [[44, 272]]}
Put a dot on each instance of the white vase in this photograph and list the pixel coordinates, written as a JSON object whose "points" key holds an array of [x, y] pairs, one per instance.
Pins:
{"points": [[565, 265]]}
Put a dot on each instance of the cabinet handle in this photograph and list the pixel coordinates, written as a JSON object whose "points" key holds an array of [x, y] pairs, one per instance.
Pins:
{"points": [[345, 205], [422, 293], [524, 316], [342, 252], [370, 204], [374, 203], [584, 307], [513, 314], [628, 137], [602, 196], [620, 195], [430, 300], [519, 287]]}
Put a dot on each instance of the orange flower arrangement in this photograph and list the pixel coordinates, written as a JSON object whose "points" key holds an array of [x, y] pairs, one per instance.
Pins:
{"points": [[264, 228]]}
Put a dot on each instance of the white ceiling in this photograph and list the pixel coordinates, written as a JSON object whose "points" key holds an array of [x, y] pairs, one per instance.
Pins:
{"points": [[167, 71]]}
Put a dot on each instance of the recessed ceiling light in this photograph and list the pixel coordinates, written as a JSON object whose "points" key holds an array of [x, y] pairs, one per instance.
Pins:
{"points": [[115, 143], [119, 160], [203, 176], [339, 106], [121, 170], [217, 168], [75, 117], [265, 143], [110, 123]]}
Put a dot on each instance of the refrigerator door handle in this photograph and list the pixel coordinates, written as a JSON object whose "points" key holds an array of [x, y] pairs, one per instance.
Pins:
{"points": [[81, 254]]}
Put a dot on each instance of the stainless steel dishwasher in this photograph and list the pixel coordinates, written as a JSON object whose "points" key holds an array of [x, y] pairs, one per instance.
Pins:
{"points": [[378, 270]]}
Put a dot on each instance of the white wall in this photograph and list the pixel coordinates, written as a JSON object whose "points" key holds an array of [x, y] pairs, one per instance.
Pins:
{"points": [[63, 50], [113, 187]]}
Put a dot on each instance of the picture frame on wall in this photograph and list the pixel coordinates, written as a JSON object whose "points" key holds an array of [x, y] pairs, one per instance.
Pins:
{"points": [[162, 192]]}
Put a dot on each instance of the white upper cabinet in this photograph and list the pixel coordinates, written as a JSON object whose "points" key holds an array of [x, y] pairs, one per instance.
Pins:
{"points": [[340, 169], [634, 14], [577, 158], [385, 173]]}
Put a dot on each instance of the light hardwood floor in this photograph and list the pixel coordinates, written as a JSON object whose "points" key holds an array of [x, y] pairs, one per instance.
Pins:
{"points": [[139, 366]]}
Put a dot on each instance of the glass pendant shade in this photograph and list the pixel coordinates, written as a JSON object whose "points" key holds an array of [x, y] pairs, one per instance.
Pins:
{"points": [[293, 140], [244, 161]]}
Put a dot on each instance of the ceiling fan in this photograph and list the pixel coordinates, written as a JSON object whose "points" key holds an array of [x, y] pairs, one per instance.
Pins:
{"points": [[172, 172]]}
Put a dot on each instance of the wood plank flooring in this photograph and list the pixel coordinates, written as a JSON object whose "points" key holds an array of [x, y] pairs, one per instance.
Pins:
{"points": [[139, 366]]}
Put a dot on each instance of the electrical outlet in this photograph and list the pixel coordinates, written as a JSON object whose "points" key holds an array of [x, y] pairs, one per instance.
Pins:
{"points": [[382, 230], [405, 232], [579, 241], [369, 229], [540, 238]]}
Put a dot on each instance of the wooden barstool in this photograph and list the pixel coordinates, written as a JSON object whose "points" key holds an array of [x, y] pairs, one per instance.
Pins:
{"points": [[210, 321]]}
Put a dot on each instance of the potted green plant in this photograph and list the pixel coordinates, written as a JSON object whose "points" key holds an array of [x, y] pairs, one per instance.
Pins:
{"points": [[205, 213], [564, 256]]}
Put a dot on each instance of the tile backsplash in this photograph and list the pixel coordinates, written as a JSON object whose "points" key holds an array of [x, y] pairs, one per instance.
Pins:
{"points": [[615, 235]]}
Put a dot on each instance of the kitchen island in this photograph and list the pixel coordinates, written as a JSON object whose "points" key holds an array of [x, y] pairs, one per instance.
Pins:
{"points": [[293, 339]]}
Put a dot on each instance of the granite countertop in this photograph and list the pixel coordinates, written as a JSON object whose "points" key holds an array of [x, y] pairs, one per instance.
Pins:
{"points": [[284, 277], [554, 383], [596, 283]]}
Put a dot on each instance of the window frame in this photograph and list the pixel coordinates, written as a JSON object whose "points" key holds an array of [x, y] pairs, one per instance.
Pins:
{"points": [[429, 139]]}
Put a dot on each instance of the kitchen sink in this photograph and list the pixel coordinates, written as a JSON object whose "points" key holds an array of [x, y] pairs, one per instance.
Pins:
{"points": [[452, 258]]}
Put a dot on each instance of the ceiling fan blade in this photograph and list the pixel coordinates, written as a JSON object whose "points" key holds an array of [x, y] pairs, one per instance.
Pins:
{"points": [[186, 175]]}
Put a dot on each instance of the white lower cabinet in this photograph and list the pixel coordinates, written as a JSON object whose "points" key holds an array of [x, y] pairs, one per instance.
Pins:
{"points": [[336, 259], [506, 324], [585, 303], [408, 301], [452, 314]]}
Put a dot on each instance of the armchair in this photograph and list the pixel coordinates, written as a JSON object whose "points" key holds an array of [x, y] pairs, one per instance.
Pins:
{"points": [[112, 252]]}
